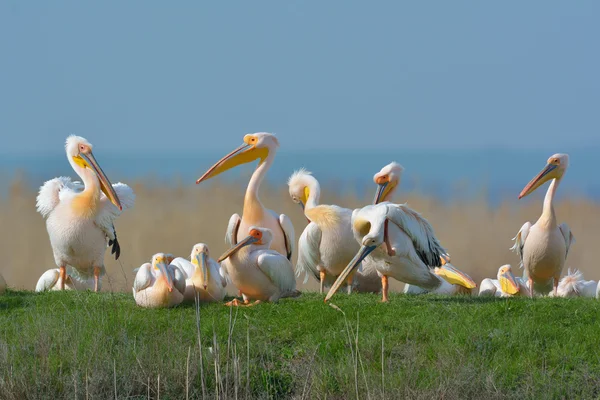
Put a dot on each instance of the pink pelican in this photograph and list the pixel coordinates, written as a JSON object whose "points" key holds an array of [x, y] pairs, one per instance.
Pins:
{"points": [[158, 285]]}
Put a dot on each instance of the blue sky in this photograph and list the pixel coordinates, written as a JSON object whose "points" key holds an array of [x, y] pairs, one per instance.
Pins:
{"points": [[191, 75]]}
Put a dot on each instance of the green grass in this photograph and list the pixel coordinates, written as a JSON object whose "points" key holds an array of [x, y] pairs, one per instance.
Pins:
{"points": [[87, 345]]}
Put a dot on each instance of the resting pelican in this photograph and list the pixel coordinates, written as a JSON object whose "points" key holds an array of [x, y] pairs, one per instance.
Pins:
{"points": [[506, 284], [80, 218], [410, 252], [448, 272], [257, 146], [203, 276], [2, 284], [51, 280], [327, 244], [573, 285], [260, 274], [543, 247], [158, 285]]}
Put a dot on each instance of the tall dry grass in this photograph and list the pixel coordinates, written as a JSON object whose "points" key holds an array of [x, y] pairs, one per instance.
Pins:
{"points": [[171, 220]]}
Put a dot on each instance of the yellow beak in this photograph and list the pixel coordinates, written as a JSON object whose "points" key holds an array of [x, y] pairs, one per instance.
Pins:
{"points": [[544, 176], [245, 242], [105, 185], [455, 277], [164, 271], [242, 155], [508, 283], [354, 263]]}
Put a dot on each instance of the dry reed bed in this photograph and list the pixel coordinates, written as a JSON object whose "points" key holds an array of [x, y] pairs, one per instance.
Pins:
{"points": [[477, 235]]}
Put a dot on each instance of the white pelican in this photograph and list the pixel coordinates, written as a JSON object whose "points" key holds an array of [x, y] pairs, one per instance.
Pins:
{"points": [[327, 244], [257, 146], [387, 181], [410, 252], [543, 247], [2, 284], [51, 280], [506, 284], [158, 285], [203, 276], [448, 272], [80, 218], [260, 274], [573, 285]]}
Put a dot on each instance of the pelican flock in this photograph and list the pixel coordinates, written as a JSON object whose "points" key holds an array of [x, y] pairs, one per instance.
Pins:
{"points": [[360, 249]]}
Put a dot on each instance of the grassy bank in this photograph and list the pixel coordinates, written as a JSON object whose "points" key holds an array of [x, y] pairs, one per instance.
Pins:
{"points": [[86, 345]]}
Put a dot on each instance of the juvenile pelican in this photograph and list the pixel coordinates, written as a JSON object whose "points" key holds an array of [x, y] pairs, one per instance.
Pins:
{"points": [[506, 284], [257, 146], [260, 274], [411, 252], [203, 276], [51, 280], [158, 285], [573, 285], [327, 244], [543, 247], [80, 218]]}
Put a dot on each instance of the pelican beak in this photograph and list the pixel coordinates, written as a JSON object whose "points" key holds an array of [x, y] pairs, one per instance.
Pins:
{"points": [[362, 253], [162, 266], [203, 265], [382, 191], [508, 283], [105, 185], [245, 242], [455, 277], [539, 180], [242, 155]]}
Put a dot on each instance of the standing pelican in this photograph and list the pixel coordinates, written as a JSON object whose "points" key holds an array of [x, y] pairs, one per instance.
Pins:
{"points": [[506, 284], [203, 276], [573, 285], [260, 274], [410, 251], [80, 218], [51, 280], [158, 285], [543, 247], [257, 146], [327, 244]]}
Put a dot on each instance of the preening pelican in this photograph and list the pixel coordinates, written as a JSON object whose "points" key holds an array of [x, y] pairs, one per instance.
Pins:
{"points": [[327, 244], [387, 181], [203, 276], [412, 249], [259, 273], [158, 285], [448, 272], [51, 280], [257, 146], [80, 218], [573, 285], [543, 247], [506, 284]]}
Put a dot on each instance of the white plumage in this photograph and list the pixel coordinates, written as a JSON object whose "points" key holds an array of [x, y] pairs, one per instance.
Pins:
{"points": [[573, 285], [158, 285], [51, 280], [506, 278]]}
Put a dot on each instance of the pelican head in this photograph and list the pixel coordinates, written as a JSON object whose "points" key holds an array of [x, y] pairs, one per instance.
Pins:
{"points": [[199, 258], [159, 264], [387, 181], [256, 146], [554, 169], [300, 184], [452, 275], [79, 152], [506, 279], [256, 236]]}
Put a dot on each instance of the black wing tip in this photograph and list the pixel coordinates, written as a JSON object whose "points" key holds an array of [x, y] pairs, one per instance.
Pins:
{"points": [[116, 247]]}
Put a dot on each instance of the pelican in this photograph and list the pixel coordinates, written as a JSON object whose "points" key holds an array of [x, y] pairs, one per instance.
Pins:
{"points": [[80, 218], [158, 285], [257, 146], [327, 243], [410, 250], [51, 280], [387, 181], [506, 284], [2, 284], [573, 285], [448, 272], [543, 247], [203, 276], [259, 273]]}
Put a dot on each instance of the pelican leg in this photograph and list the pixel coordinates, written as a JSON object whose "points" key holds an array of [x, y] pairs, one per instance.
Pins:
{"points": [[62, 276], [530, 281], [556, 280], [349, 282], [384, 289], [96, 278], [237, 303], [253, 304], [322, 279]]}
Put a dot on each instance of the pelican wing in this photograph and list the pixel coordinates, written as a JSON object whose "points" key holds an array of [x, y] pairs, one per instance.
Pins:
{"points": [[489, 287], [520, 240], [308, 252], [108, 213], [568, 235], [144, 278], [288, 234], [278, 269], [47, 280], [420, 231], [178, 278], [215, 268], [53, 191], [184, 266], [232, 230]]}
